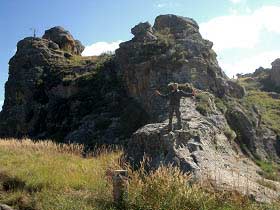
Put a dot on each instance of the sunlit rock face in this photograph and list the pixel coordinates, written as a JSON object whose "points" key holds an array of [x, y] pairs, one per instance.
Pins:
{"points": [[64, 40], [172, 50]]}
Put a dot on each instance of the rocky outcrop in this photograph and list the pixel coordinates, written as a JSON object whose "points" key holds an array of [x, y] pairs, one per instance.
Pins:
{"points": [[5, 207], [50, 94], [259, 141], [64, 40], [170, 51], [275, 72], [202, 148]]}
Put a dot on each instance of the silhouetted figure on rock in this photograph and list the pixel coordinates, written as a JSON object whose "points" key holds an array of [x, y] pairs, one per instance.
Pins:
{"points": [[174, 103]]}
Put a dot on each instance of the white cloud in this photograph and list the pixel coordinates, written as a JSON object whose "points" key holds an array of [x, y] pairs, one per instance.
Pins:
{"points": [[235, 1], [164, 4], [1, 104], [249, 64], [241, 31], [101, 47]]}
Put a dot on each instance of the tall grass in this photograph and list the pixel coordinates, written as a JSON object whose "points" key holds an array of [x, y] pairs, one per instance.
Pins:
{"points": [[45, 175]]}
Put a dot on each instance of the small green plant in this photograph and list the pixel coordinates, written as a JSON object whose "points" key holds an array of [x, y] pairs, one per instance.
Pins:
{"points": [[229, 133], [269, 107], [204, 103], [269, 170]]}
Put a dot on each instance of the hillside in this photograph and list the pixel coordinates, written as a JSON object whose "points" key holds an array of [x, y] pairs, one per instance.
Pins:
{"points": [[45, 175], [230, 128]]}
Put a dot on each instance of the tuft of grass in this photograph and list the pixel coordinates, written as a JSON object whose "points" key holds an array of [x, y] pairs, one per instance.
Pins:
{"points": [[229, 133], [204, 103], [269, 170]]}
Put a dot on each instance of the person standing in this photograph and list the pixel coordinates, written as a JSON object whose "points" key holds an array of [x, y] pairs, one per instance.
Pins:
{"points": [[174, 103]]}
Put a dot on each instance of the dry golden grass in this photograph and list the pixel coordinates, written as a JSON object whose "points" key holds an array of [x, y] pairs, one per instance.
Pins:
{"points": [[45, 175]]}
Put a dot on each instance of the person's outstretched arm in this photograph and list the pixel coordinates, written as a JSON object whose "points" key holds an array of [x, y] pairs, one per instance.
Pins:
{"points": [[185, 94], [161, 95]]}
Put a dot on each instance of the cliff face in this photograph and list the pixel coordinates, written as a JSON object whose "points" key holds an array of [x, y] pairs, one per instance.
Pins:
{"points": [[53, 92], [171, 50]]}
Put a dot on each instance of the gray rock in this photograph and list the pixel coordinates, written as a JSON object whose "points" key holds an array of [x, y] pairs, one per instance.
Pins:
{"points": [[202, 149], [64, 39], [143, 32], [275, 72], [179, 54], [260, 141], [5, 207]]}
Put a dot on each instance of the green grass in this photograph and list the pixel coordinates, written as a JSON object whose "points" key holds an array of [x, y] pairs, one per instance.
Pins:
{"points": [[204, 103], [249, 83], [50, 176], [53, 176], [269, 108], [269, 170]]}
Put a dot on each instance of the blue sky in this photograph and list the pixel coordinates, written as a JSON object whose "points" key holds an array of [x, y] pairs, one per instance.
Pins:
{"points": [[245, 32]]}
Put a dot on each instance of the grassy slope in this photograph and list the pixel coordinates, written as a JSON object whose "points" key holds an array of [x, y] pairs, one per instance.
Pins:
{"points": [[49, 176], [270, 111], [269, 107]]}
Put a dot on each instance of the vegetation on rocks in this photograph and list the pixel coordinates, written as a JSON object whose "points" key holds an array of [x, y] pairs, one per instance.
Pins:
{"points": [[270, 170], [269, 108], [205, 103]]}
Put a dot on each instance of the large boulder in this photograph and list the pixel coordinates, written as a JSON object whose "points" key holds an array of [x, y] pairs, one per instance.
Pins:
{"points": [[257, 140], [143, 32], [64, 39], [203, 148], [171, 51], [275, 72]]}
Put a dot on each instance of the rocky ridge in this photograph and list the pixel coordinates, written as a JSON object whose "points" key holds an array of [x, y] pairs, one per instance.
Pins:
{"points": [[53, 92], [202, 147], [171, 50]]}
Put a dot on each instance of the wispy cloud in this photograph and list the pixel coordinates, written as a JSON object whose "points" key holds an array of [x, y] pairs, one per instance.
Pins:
{"points": [[101, 47], [236, 33], [235, 1], [166, 4], [241, 31], [250, 63]]}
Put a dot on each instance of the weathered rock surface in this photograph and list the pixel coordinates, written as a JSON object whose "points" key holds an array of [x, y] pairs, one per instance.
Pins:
{"points": [[275, 72], [202, 148], [171, 50], [64, 40], [261, 142], [50, 94], [5, 207]]}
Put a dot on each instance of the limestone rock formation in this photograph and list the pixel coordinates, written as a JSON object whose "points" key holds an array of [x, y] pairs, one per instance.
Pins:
{"points": [[64, 40], [261, 142], [51, 94], [275, 72], [170, 51], [5, 207], [202, 148]]}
